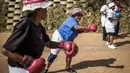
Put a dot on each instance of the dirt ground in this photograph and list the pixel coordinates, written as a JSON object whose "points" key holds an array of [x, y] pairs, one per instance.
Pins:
{"points": [[93, 55]]}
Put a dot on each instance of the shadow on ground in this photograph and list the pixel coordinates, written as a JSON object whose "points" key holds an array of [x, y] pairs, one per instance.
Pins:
{"points": [[122, 43], [122, 35], [93, 63]]}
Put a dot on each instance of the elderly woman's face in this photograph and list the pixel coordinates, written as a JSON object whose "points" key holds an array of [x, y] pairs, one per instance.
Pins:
{"points": [[78, 16], [42, 13], [113, 7]]}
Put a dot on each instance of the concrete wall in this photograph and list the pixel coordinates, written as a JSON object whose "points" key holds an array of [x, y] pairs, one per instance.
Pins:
{"points": [[15, 6]]}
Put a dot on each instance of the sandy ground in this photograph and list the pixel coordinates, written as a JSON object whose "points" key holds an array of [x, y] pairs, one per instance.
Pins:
{"points": [[93, 55]]}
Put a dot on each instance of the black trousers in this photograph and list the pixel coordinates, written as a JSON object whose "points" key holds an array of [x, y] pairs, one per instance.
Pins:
{"points": [[117, 27], [104, 33]]}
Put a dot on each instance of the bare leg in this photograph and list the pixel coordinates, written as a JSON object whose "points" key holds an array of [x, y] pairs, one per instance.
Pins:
{"points": [[108, 40], [68, 61], [48, 65], [111, 39], [51, 58]]}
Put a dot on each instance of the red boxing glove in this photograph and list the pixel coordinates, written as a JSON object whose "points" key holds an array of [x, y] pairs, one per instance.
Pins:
{"points": [[87, 29], [73, 51], [70, 47], [91, 27], [65, 45], [33, 65]]}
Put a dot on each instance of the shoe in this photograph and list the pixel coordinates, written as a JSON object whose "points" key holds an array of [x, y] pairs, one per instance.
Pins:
{"points": [[70, 70], [107, 43], [111, 46], [45, 71]]}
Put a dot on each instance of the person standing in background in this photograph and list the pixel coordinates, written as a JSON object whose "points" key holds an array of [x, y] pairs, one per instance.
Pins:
{"points": [[117, 5], [103, 11], [110, 25], [117, 27]]}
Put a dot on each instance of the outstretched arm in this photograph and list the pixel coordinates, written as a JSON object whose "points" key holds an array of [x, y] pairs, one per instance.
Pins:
{"points": [[121, 66], [79, 28], [52, 44], [91, 27], [70, 48]]}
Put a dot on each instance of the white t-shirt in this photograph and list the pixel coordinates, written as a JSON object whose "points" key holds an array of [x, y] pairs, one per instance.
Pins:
{"points": [[103, 9], [109, 25], [111, 14]]}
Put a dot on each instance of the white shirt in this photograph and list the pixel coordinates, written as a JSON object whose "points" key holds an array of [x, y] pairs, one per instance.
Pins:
{"points": [[103, 9], [110, 14]]}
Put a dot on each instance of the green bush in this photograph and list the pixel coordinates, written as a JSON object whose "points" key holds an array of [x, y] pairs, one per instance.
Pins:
{"points": [[3, 13], [56, 16], [91, 12]]}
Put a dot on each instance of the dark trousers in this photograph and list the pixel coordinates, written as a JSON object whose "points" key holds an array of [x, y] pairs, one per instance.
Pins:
{"points": [[117, 28], [104, 33]]}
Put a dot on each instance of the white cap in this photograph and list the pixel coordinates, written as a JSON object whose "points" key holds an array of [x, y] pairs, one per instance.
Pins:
{"points": [[111, 4], [77, 10], [34, 4]]}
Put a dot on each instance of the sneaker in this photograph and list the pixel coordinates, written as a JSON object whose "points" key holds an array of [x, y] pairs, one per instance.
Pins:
{"points": [[45, 71], [70, 70], [111, 46]]}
